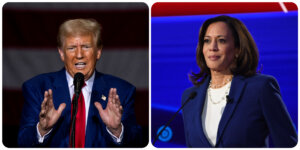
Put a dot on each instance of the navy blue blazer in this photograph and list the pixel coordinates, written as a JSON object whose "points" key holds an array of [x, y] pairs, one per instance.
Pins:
{"points": [[255, 112], [96, 134]]}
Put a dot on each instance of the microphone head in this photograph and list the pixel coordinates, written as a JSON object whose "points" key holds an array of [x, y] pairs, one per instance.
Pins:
{"points": [[193, 95], [228, 99], [78, 81], [78, 77]]}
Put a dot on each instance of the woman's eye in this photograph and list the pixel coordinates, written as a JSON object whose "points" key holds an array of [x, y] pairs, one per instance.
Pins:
{"points": [[222, 40], [206, 40]]}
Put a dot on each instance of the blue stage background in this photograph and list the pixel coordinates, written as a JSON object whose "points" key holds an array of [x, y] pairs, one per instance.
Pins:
{"points": [[174, 40]]}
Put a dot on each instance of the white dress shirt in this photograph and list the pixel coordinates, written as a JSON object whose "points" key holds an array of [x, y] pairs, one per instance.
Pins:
{"points": [[86, 91], [212, 113]]}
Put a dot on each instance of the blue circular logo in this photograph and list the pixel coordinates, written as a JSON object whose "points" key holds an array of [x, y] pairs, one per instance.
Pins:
{"points": [[166, 135]]}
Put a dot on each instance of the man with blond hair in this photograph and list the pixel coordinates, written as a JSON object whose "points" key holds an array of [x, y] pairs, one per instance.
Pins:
{"points": [[105, 116]]}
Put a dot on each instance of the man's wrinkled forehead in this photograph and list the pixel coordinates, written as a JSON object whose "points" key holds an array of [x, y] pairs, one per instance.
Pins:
{"points": [[86, 39]]}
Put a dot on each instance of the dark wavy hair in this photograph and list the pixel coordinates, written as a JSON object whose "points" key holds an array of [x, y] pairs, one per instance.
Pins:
{"points": [[247, 56]]}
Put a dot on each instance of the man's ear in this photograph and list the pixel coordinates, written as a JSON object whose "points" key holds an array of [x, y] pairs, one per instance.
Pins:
{"points": [[98, 53], [61, 54]]}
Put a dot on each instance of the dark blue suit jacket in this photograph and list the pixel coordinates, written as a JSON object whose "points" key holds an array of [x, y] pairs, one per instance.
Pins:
{"points": [[255, 112], [96, 134]]}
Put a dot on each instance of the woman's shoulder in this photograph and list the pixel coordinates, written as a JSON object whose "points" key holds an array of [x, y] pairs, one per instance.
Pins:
{"points": [[187, 92], [261, 78], [194, 89]]}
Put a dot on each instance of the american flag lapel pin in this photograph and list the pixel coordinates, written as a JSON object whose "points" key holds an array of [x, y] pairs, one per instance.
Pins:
{"points": [[103, 97]]}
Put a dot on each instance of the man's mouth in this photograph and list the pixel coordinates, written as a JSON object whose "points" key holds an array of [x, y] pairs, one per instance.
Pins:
{"points": [[80, 65]]}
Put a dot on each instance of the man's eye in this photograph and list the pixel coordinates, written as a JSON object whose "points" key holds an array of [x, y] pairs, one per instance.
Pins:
{"points": [[86, 46], [70, 48]]}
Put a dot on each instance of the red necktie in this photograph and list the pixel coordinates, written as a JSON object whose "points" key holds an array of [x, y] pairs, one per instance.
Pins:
{"points": [[80, 121]]}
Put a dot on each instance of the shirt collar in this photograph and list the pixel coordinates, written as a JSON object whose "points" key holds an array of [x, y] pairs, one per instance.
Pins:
{"points": [[89, 82]]}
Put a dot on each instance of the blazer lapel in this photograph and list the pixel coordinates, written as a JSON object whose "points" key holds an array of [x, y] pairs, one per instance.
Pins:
{"points": [[201, 91], [100, 92], [237, 87]]}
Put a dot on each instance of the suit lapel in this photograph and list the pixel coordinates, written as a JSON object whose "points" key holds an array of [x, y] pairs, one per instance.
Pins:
{"points": [[100, 92], [201, 91], [237, 87], [61, 95], [61, 92]]}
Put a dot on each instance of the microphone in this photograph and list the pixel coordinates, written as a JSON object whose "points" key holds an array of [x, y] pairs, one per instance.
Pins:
{"points": [[78, 83], [228, 99], [192, 96]]}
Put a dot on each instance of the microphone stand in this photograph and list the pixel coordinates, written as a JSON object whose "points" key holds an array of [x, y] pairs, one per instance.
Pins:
{"points": [[192, 95], [74, 112], [78, 83]]}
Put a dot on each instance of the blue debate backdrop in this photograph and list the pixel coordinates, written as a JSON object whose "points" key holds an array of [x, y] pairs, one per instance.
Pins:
{"points": [[173, 57]]}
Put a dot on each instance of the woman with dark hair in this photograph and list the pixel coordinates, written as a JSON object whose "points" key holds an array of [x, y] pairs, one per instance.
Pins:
{"points": [[235, 106]]}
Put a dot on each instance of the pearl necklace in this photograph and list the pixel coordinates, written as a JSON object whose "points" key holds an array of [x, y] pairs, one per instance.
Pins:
{"points": [[225, 94], [220, 85]]}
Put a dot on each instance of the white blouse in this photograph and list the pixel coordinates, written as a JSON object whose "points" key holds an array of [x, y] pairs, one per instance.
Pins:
{"points": [[212, 111]]}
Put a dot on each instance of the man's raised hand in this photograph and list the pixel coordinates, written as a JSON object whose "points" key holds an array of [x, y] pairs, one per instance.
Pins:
{"points": [[48, 115], [112, 114]]}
